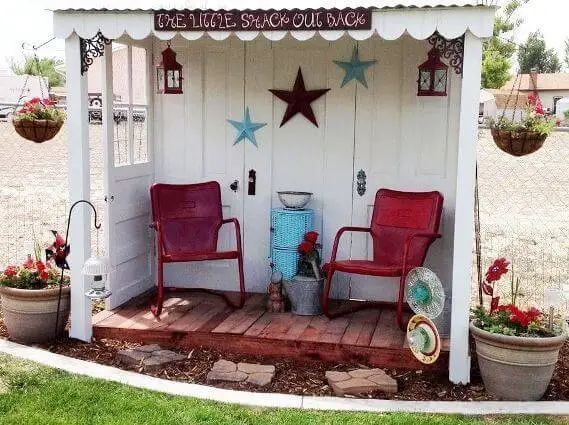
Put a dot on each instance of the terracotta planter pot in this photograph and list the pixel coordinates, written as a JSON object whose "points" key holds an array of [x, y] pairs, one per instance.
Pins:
{"points": [[37, 131], [30, 314], [516, 368]]}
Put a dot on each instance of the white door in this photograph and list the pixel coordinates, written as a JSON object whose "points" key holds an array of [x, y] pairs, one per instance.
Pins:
{"points": [[196, 145], [129, 174]]}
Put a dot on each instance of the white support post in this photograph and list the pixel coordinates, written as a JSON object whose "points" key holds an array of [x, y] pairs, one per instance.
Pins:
{"points": [[459, 366], [79, 187]]}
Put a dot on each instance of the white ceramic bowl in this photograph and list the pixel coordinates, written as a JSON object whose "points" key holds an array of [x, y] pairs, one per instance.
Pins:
{"points": [[294, 200]]}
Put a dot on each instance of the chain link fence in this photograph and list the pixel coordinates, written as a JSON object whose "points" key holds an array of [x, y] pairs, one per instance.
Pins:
{"points": [[524, 202]]}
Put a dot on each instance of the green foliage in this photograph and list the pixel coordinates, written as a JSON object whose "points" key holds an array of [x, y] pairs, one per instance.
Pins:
{"points": [[500, 322], [566, 114], [566, 53], [534, 54], [43, 67], [499, 49]]}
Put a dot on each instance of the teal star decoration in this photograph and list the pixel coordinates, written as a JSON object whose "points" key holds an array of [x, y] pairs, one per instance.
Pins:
{"points": [[246, 129], [355, 68]]}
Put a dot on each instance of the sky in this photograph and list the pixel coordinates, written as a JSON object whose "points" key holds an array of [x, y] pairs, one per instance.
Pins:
{"points": [[28, 21]]}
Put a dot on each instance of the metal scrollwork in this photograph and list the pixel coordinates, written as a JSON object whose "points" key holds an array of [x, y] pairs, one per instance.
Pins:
{"points": [[361, 182], [92, 48], [452, 50]]}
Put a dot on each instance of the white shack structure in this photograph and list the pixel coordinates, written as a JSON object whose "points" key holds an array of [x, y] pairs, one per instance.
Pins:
{"points": [[401, 140]]}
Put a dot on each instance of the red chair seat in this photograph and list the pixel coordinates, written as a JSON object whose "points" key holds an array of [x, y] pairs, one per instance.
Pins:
{"points": [[176, 257], [369, 268]]}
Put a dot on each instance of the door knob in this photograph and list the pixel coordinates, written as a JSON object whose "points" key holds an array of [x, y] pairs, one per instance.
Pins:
{"points": [[233, 186]]}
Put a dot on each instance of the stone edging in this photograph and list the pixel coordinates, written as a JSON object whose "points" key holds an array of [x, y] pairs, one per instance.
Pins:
{"points": [[94, 370]]}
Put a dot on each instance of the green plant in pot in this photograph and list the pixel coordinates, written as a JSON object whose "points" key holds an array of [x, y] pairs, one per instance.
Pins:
{"points": [[517, 348], [31, 296], [304, 290]]}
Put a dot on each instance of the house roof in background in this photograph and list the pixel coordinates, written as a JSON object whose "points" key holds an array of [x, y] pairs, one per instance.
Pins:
{"points": [[506, 99], [559, 81], [254, 4]]}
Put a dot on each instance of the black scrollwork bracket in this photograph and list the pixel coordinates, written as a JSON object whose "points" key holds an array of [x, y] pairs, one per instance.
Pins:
{"points": [[92, 48], [452, 50], [361, 182]]}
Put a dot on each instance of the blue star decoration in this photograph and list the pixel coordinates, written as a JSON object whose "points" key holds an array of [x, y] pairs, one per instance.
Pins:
{"points": [[355, 68], [246, 129]]}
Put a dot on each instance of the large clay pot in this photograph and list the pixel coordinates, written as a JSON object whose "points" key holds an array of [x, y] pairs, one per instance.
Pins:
{"points": [[516, 368], [30, 314]]}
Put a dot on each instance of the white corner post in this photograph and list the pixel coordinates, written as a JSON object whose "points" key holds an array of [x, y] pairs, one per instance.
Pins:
{"points": [[459, 365], [79, 187]]}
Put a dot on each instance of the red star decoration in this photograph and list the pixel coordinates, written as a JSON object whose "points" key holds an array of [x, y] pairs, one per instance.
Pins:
{"points": [[299, 100]]}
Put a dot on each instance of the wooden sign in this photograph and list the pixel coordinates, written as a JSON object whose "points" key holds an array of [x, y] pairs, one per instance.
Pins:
{"points": [[263, 20]]}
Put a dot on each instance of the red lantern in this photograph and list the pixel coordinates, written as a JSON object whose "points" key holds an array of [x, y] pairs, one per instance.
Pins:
{"points": [[433, 76], [169, 74]]}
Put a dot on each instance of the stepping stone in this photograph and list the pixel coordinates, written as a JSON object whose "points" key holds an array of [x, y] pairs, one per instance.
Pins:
{"points": [[360, 381], [149, 357], [254, 374]]}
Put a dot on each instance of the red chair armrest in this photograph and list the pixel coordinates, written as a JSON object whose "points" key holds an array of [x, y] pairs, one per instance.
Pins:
{"points": [[428, 235], [237, 231], [339, 235]]}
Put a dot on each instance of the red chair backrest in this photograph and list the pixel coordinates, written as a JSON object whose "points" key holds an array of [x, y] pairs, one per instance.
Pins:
{"points": [[189, 216], [396, 215]]}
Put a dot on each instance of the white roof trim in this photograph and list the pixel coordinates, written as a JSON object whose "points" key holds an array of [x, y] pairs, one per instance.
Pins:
{"points": [[389, 24]]}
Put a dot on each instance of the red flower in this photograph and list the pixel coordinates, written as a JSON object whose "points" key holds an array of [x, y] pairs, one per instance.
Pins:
{"points": [[533, 313], [40, 266], [11, 271], [29, 264], [558, 122], [532, 99], [43, 275], [496, 270], [305, 247], [311, 237], [34, 100]]}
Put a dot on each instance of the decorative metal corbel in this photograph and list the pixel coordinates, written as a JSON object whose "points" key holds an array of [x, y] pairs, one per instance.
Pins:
{"points": [[361, 182], [452, 50], [91, 48]]}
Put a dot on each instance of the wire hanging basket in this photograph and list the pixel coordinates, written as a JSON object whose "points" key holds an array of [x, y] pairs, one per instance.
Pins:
{"points": [[37, 131]]}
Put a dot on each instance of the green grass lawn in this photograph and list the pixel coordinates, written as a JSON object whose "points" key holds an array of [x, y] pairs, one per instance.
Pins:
{"points": [[33, 394]]}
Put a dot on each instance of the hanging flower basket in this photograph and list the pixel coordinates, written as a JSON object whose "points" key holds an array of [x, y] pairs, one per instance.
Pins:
{"points": [[38, 120], [518, 143], [38, 131]]}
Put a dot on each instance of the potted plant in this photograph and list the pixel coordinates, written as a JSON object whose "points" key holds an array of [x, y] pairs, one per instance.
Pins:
{"points": [[304, 290], [38, 120], [517, 348], [527, 136], [30, 298]]}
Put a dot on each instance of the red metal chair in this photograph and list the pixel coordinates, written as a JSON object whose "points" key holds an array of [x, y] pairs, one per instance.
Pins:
{"points": [[187, 219], [403, 226]]}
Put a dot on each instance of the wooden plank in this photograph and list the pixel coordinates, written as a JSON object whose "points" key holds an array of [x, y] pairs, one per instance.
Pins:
{"points": [[300, 323], [241, 320], [197, 317], [102, 315], [361, 327], [175, 312], [387, 333], [315, 327], [279, 326], [120, 318], [335, 329], [257, 327], [144, 319]]}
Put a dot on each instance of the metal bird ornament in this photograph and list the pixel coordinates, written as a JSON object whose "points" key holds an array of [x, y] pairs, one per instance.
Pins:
{"points": [[58, 251]]}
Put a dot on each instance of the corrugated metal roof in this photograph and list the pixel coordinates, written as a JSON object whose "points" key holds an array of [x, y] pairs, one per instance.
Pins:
{"points": [[125, 5]]}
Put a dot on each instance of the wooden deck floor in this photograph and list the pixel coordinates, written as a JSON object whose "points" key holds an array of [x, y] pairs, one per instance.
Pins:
{"points": [[194, 320]]}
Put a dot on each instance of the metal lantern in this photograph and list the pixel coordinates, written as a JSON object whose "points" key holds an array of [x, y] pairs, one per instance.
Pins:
{"points": [[98, 269], [433, 76], [169, 74]]}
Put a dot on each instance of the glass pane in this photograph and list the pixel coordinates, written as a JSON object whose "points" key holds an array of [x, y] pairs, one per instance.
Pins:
{"points": [[140, 141], [120, 70], [177, 78], [160, 79], [120, 131], [171, 79], [440, 80], [139, 75], [425, 80]]}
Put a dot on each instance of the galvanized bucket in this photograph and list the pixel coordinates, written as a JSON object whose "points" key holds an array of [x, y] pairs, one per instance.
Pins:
{"points": [[304, 294]]}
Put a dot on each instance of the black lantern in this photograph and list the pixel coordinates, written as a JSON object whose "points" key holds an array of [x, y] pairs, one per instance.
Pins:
{"points": [[169, 74], [433, 76]]}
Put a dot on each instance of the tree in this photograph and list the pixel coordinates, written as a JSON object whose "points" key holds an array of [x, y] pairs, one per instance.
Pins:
{"points": [[46, 67], [535, 54], [566, 53], [499, 49]]}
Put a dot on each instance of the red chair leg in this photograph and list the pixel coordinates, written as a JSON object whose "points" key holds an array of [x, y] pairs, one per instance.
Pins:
{"points": [[241, 281], [325, 304], [156, 309], [400, 302]]}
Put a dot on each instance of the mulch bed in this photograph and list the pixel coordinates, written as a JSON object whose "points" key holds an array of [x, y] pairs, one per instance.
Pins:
{"points": [[302, 377]]}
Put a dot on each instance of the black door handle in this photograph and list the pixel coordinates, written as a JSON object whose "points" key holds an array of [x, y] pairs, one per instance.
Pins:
{"points": [[233, 186], [252, 182]]}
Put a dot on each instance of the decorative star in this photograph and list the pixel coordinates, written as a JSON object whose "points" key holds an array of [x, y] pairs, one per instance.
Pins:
{"points": [[299, 99], [58, 251], [355, 68], [246, 129]]}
